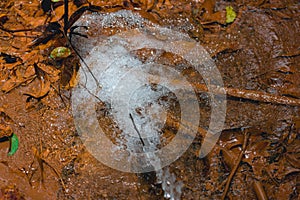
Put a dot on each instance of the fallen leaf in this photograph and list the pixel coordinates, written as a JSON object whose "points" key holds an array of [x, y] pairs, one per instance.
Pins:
{"points": [[10, 84], [14, 144], [5, 131], [44, 89], [230, 14], [60, 52]]}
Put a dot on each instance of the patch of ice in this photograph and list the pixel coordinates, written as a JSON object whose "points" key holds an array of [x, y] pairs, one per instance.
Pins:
{"points": [[126, 86]]}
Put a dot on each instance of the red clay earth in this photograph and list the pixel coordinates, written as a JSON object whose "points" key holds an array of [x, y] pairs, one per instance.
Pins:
{"points": [[257, 155]]}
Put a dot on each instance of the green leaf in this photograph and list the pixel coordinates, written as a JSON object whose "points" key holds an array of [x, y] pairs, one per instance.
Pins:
{"points": [[60, 52], [230, 14], [54, 1], [14, 145]]}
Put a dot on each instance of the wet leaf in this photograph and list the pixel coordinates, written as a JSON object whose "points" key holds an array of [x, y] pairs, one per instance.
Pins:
{"points": [[293, 154], [60, 52], [44, 89], [5, 117], [230, 14], [53, 73], [14, 145], [29, 72], [10, 84], [229, 157], [5, 131], [259, 190]]}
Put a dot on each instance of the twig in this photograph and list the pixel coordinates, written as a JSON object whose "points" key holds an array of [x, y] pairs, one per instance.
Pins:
{"points": [[236, 166], [42, 161], [259, 190], [263, 97], [66, 16], [251, 95], [135, 128], [243, 94], [57, 174]]}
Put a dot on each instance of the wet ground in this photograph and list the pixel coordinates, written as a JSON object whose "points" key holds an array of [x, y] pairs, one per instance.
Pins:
{"points": [[257, 155]]}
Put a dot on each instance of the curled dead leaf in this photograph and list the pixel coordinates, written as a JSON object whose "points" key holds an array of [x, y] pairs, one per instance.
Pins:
{"points": [[52, 73], [229, 157], [29, 72], [4, 117], [10, 84], [293, 154], [5, 131], [44, 89]]}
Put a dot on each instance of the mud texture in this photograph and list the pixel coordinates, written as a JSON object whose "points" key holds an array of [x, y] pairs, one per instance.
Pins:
{"points": [[258, 55]]}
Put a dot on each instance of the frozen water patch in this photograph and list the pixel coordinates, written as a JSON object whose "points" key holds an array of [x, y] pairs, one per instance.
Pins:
{"points": [[128, 85], [171, 187]]}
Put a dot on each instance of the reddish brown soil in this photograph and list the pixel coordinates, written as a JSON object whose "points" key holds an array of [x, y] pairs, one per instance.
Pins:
{"points": [[258, 55]]}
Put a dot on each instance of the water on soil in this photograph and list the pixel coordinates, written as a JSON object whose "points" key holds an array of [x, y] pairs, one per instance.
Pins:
{"points": [[258, 53]]}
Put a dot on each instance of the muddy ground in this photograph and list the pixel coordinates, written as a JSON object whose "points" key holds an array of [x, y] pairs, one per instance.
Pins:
{"points": [[257, 155]]}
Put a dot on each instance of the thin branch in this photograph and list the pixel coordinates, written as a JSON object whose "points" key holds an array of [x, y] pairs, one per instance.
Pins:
{"points": [[246, 135], [135, 128], [66, 16], [259, 190], [251, 95], [243, 94]]}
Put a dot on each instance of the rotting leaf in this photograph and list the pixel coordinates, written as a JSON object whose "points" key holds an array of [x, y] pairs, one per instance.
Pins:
{"points": [[29, 72], [15, 81], [10, 84], [293, 154], [5, 131], [230, 14], [45, 88], [14, 144], [60, 52], [52, 73], [5, 117]]}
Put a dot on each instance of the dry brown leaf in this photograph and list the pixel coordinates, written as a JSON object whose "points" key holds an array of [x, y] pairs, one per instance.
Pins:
{"points": [[44, 89], [16, 80], [53, 74], [30, 71], [10, 84], [33, 21], [30, 58], [11, 66], [5, 130], [5, 117], [58, 14], [293, 154], [73, 81]]}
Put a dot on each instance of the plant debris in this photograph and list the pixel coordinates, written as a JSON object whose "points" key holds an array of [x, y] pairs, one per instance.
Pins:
{"points": [[60, 52], [253, 45], [230, 14], [14, 144]]}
